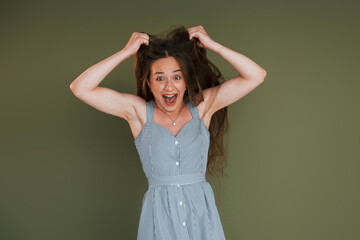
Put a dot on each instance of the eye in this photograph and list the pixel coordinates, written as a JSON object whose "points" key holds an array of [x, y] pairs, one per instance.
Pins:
{"points": [[177, 78], [158, 78]]}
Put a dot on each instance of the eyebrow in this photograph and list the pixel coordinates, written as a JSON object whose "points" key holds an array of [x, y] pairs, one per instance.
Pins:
{"points": [[163, 72]]}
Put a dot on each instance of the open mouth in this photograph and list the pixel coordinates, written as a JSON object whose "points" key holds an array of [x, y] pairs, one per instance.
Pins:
{"points": [[170, 98]]}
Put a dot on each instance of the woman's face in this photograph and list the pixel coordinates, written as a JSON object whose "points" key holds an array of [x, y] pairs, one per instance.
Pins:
{"points": [[167, 84]]}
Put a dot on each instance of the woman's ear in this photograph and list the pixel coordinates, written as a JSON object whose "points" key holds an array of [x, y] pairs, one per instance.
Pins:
{"points": [[148, 83]]}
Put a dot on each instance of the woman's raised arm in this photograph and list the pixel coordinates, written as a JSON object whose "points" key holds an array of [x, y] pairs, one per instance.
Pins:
{"points": [[94, 75], [250, 74], [86, 88]]}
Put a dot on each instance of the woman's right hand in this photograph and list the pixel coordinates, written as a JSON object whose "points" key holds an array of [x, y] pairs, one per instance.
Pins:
{"points": [[135, 42]]}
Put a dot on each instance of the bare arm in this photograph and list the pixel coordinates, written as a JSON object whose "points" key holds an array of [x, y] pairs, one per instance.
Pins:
{"points": [[250, 74], [246, 67], [86, 88], [93, 76]]}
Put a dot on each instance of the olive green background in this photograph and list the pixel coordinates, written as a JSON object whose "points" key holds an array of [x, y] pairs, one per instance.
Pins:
{"points": [[69, 171]]}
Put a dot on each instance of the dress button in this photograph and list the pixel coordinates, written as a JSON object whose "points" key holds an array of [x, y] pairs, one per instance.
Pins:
{"points": [[176, 142], [184, 224], [177, 163], [180, 203]]}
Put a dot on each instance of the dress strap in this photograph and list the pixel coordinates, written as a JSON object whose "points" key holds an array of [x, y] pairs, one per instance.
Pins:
{"points": [[149, 112], [193, 109]]}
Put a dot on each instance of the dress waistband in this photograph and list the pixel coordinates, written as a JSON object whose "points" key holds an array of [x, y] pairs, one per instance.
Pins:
{"points": [[176, 179]]}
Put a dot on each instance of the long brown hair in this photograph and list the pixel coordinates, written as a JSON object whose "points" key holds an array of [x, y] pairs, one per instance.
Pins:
{"points": [[199, 74]]}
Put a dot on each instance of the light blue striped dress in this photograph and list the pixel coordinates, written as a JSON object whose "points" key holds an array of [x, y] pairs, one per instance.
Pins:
{"points": [[180, 203]]}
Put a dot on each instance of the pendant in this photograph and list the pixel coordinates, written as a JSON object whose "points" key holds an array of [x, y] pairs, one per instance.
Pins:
{"points": [[174, 124]]}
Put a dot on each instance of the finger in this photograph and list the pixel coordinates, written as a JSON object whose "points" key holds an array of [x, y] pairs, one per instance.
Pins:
{"points": [[193, 34], [145, 41], [190, 35]]}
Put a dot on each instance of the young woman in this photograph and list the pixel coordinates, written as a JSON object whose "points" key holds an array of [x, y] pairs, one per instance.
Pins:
{"points": [[178, 119]]}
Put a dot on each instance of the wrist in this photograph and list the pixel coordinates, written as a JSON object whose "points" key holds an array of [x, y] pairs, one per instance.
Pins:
{"points": [[125, 53], [217, 48]]}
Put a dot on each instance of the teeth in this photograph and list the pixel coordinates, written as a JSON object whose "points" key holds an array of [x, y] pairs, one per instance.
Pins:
{"points": [[170, 95]]}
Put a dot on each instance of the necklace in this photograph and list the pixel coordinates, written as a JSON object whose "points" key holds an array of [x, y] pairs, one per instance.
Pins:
{"points": [[168, 115]]}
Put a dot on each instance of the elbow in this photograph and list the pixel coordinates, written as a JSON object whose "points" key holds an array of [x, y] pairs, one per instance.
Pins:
{"points": [[78, 91], [73, 89], [260, 78], [263, 75]]}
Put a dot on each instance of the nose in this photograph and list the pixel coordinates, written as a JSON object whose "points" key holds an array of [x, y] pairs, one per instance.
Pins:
{"points": [[169, 85]]}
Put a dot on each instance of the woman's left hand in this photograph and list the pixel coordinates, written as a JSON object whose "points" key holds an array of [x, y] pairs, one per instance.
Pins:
{"points": [[205, 40]]}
